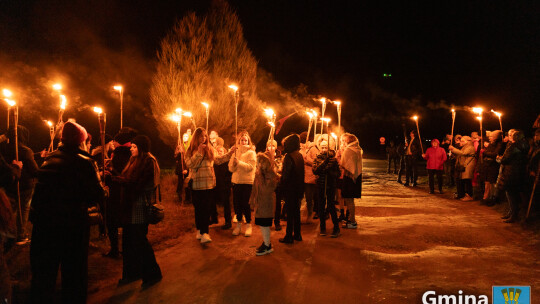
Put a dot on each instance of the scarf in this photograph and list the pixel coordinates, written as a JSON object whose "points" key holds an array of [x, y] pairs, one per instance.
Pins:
{"points": [[351, 159]]}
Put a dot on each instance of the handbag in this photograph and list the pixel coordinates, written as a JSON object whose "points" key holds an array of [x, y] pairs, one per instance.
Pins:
{"points": [[156, 213], [154, 210]]}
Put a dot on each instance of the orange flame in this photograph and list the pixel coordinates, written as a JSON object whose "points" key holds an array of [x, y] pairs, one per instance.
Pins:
{"points": [[63, 103], [187, 114], [7, 93], [233, 87], [478, 110], [205, 104], [499, 114], [118, 88], [415, 117], [57, 86], [98, 110], [49, 123], [174, 117], [10, 102]]}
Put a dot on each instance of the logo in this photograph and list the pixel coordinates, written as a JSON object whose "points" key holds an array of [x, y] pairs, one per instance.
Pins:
{"points": [[511, 294]]}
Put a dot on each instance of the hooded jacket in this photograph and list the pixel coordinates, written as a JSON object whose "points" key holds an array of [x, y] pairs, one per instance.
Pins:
{"points": [[263, 195], [435, 156], [292, 178], [311, 153]]}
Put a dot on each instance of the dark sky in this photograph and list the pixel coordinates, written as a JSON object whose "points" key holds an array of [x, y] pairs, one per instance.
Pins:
{"points": [[475, 52]]}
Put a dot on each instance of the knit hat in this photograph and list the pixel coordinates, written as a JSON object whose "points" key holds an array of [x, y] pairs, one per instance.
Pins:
{"points": [[142, 142], [73, 134]]}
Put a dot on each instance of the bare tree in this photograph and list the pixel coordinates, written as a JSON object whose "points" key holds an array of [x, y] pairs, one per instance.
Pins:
{"points": [[197, 61]]}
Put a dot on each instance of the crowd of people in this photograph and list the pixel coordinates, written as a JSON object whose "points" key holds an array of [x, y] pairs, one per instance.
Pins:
{"points": [[270, 184], [75, 187], [63, 192], [482, 169]]}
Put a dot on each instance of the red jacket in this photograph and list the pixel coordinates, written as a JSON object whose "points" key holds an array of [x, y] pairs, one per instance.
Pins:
{"points": [[435, 158]]}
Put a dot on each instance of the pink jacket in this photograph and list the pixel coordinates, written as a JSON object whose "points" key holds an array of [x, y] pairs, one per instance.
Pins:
{"points": [[435, 158]]}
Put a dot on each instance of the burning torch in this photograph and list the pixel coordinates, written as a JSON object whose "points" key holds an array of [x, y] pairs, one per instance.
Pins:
{"points": [[479, 111], [309, 124], [499, 114], [271, 121], [120, 90], [206, 106], [418, 130], [13, 104]]}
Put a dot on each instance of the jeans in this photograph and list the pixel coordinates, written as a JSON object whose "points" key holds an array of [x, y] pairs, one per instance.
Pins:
{"points": [[223, 196], [411, 170], [326, 203], [292, 202], [201, 202]]}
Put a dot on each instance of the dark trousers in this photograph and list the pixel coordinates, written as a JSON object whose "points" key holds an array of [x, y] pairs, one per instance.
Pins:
{"points": [[312, 198], [277, 213], [449, 167], [326, 204], [223, 196], [401, 167], [139, 259], [112, 227], [514, 200], [292, 203], [392, 159], [202, 200], [464, 186], [431, 176], [411, 171], [241, 194], [64, 247]]}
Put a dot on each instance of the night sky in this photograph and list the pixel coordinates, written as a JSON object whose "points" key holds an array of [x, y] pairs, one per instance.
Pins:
{"points": [[439, 54]]}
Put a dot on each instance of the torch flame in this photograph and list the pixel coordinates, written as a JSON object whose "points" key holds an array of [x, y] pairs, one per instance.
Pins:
{"points": [[98, 110], [174, 117], [333, 135], [7, 93], [272, 124], [178, 110], [57, 86], [10, 102], [337, 102], [453, 110], [269, 112], [499, 114], [63, 103], [323, 100], [415, 117], [187, 114], [478, 110], [118, 88], [205, 104], [233, 87], [479, 118], [49, 123], [309, 114], [325, 119], [314, 113]]}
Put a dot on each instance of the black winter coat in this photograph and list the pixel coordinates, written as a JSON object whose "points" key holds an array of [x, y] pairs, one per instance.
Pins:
{"points": [[292, 176], [489, 168], [513, 162], [68, 183], [326, 167]]}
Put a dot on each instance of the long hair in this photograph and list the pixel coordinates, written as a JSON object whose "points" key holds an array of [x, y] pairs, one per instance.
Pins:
{"points": [[194, 145], [134, 166], [242, 134]]}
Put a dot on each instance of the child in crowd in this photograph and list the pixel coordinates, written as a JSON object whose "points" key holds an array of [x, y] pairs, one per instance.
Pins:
{"points": [[263, 197]]}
